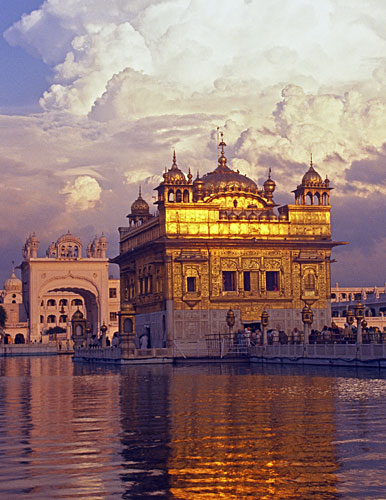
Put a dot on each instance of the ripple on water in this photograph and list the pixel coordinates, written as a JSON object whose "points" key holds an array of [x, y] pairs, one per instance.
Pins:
{"points": [[189, 432]]}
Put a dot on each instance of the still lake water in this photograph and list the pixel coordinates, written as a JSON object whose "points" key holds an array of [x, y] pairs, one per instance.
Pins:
{"points": [[218, 431]]}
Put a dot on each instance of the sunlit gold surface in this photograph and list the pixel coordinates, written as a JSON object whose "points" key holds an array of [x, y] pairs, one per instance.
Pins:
{"points": [[224, 222]]}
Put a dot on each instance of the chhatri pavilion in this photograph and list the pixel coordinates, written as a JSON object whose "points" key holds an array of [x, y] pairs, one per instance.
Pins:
{"points": [[220, 242]]}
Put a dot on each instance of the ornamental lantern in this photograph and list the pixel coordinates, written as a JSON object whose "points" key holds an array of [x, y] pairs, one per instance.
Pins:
{"points": [[264, 318], [307, 315], [359, 311], [78, 328], [350, 317], [230, 319], [103, 331]]}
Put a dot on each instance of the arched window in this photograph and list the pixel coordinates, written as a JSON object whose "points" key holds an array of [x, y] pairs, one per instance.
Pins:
{"points": [[309, 199], [325, 198], [76, 302], [51, 302], [178, 196], [316, 199], [41, 319], [128, 325], [63, 319], [51, 318], [186, 196], [79, 330], [171, 195], [309, 282], [63, 302]]}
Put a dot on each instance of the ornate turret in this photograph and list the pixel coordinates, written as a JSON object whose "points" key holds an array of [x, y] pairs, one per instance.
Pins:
{"points": [[198, 188], [13, 284], [269, 188], [313, 190], [140, 211], [175, 188], [31, 247], [140, 206], [174, 175], [66, 247]]}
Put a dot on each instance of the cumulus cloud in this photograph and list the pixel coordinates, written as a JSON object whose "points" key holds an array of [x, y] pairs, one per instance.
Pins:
{"points": [[193, 43], [83, 193], [141, 78]]}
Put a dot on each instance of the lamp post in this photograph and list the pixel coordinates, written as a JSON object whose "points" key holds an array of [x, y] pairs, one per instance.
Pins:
{"points": [[307, 318], [88, 335], [264, 324], [350, 317], [103, 330], [359, 311]]}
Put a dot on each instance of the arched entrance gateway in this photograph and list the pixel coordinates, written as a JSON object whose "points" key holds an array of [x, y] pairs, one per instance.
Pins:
{"points": [[56, 286]]}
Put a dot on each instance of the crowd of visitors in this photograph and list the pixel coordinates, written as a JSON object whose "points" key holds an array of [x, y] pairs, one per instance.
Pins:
{"points": [[328, 335]]}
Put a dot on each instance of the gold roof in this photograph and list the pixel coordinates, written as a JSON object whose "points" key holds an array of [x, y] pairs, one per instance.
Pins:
{"points": [[174, 175], [140, 206], [311, 176], [226, 179]]}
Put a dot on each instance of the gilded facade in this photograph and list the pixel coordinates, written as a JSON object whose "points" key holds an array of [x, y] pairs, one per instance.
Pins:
{"points": [[221, 242]]}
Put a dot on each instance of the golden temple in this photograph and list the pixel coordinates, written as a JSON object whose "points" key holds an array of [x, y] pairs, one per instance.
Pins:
{"points": [[221, 242]]}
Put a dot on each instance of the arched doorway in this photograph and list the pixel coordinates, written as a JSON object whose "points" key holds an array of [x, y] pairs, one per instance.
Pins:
{"points": [[19, 338], [91, 300]]}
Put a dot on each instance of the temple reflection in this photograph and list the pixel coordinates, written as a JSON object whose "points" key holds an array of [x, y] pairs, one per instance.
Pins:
{"points": [[236, 437], [144, 401], [201, 432]]}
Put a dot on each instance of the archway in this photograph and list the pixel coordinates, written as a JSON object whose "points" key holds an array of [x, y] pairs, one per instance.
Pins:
{"points": [[89, 298], [90, 303], [19, 338]]}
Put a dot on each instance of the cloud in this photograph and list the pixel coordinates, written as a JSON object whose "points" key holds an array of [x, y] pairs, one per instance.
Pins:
{"points": [[141, 78], [83, 193], [192, 44]]}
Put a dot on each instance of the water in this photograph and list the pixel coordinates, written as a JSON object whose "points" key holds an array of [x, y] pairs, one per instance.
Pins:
{"points": [[70, 431]]}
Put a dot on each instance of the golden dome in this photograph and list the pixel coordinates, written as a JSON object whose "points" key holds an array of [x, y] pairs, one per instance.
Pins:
{"points": [[174, 175], [140, 206], [13, 284], [311, 176], [224, 179]]}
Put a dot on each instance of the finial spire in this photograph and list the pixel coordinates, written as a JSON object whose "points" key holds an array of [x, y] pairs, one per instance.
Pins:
{"points": [[311, 164], [269, 173], [174, 159], [222, 143], [140, 191]]}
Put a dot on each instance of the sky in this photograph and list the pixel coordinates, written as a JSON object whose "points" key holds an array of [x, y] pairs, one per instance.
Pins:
{"points": [[94, 100]]}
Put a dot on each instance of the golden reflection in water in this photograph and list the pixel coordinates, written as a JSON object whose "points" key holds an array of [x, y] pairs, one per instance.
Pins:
{"points": [[251, 436]]}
